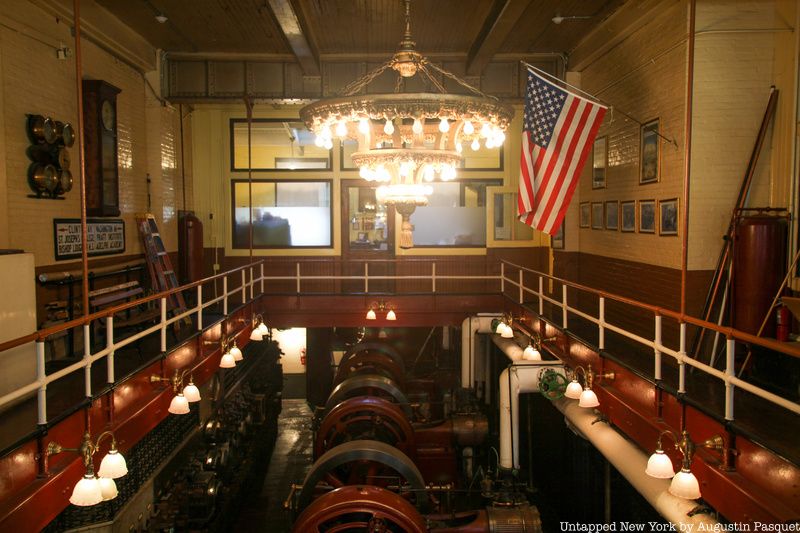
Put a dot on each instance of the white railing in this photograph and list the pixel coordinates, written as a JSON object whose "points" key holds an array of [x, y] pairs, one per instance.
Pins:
{"points": [[727, 376]]}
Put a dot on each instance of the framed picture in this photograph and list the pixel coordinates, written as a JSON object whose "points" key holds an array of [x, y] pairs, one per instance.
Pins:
{"points": [[362, 236], [557, 240], [628, 210], [668, 217], [584, 218], [650, 155], [597, 215], [599, 162], [612, 215], [647, 216]]}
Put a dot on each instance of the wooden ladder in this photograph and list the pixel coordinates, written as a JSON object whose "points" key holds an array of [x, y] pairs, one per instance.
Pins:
{"points": [[162, 275]]}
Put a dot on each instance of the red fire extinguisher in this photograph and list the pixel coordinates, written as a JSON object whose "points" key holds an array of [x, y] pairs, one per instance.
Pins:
{"points": [[303, 357], [783, 321]]}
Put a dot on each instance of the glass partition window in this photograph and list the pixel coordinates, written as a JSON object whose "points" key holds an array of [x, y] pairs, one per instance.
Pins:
{"points": [[286, 214], [455, 215], [277, 145], [368, 228], [507, 226]]}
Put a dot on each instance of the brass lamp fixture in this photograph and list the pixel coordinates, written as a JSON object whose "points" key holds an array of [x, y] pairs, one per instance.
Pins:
{"points": [[533, 352], [503, 326], [229, 355], [406, 140], [586, 396], [381, 306], [260, 329], [93, 489], [184, 395]]}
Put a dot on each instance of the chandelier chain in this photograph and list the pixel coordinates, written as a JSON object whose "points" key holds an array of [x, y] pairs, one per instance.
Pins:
{"points": [[355, 86], [460, 81], [423, 67]]}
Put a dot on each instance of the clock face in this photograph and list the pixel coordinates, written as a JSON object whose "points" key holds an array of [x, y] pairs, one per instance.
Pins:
{"points": [[107, 115]]}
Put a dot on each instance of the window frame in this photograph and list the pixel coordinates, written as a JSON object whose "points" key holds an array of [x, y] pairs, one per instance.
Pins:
{"points": [[232, 148]]}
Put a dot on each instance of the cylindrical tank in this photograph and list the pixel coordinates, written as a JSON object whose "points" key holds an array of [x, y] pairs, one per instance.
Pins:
{"points": [[759, 266], [190, 247]]}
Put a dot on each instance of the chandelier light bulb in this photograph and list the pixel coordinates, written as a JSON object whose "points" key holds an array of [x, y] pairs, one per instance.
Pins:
{"points": [[428, 173], [388, 128], [459, 148], [383, 174], [475, 145], [486, 130], [108, 488], [179, 404], [444, 125], [341, 128], [489, 143], [319, 142], [659, 465], [328, 144], [236, 353], [469, 129], [86, 492], [326, 132], [499, 137], [191, 392], [417, 127], [685, 485], [363, 126], [574, 390], [448, 173], [113, 465], [371, 314]]}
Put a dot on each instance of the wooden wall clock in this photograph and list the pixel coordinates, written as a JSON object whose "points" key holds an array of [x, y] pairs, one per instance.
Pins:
{"points": [[100, 148]]}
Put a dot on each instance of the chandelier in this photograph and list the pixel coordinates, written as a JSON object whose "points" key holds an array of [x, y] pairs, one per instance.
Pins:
{"points": [[407, 140]]}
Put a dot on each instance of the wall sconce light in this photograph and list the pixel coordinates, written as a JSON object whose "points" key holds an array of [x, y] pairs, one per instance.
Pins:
{"points": [[532, 351], [380, 306], [228, 359], [93, 489], [586, 396], [503, 326], [183, 395], [259, 328], [684, 483]]}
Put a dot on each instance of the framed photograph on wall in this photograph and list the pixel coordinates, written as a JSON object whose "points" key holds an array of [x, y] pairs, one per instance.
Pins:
{"points": [[597, 215], [585, 215], [599, 162], [647, 216], [628, 215], [668, 217], [649, 153], [557, 240], [612, 215]]}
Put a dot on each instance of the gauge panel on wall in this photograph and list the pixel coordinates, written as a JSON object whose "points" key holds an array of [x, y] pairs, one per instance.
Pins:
{"points": [[49, 173]]}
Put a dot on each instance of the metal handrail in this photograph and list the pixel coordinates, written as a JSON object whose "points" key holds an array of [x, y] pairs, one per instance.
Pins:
{"points": [[731, 334]]}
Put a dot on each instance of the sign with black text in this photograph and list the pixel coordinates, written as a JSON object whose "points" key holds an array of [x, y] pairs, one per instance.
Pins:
{"points": [[105, 236]]}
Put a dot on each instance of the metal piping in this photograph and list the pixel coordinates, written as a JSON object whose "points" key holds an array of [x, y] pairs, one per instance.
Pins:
{"points": [[482, 323], [687, 151], [82, 158]]}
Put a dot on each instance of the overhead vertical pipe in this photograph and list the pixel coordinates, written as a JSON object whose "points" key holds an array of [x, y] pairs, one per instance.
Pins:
{"points": [[687, 152], [249, 105], [81, 157], [470, 327]]}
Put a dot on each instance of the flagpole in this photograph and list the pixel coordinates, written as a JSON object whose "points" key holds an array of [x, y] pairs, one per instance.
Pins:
{"points": [[595, 98]]}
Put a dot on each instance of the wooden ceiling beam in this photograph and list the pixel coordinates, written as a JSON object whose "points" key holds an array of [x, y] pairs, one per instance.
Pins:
{"points": [[305, 52], [494, 33]]}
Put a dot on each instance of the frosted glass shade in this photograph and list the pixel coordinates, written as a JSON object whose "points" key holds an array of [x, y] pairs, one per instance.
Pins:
{"points": [[256, 335], [531, 354], [236, 353], [113, 465], [179, 405], [263, 328], [191, 392], [390, 315], [588, 399], [659, 466], [371, 315], [574, 390], [227, 361], [108, 488], [86, 492], [685, 485], [505, 331]]}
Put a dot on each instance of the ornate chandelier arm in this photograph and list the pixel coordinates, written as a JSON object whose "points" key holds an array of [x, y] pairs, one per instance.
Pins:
{"points": [[459, 81], [353, 87], [436, 83]]}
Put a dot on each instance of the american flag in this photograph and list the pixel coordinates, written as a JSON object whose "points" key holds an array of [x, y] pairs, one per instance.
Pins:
{"points": [[558, 131]]}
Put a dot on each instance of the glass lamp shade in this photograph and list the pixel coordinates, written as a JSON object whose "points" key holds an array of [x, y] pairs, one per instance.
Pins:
{"points": [[108, 488], [574, 390], [659, 466], [263, 328], [531, 354], [371, 315], [227, 361], [179, 405], [382, 334], [113, 465], [236, 353], [588, 399], [685, 485], [390, 315], [506, 332], [256, 334], [86, 492], [191, 392]]}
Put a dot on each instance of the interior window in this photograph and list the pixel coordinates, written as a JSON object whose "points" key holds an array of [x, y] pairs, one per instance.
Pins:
{"points": [[277, 145], [455, 215], [507, 226]]}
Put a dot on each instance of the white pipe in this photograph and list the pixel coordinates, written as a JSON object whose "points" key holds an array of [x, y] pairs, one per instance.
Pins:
{"points": [[469, 328], [631, 462]]}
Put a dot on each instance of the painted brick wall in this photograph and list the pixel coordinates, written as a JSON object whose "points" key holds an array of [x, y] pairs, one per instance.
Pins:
{"points": [[35, 81]]}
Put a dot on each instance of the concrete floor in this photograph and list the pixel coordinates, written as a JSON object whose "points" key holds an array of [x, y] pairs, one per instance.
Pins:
{"points": [[290, 462]]}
